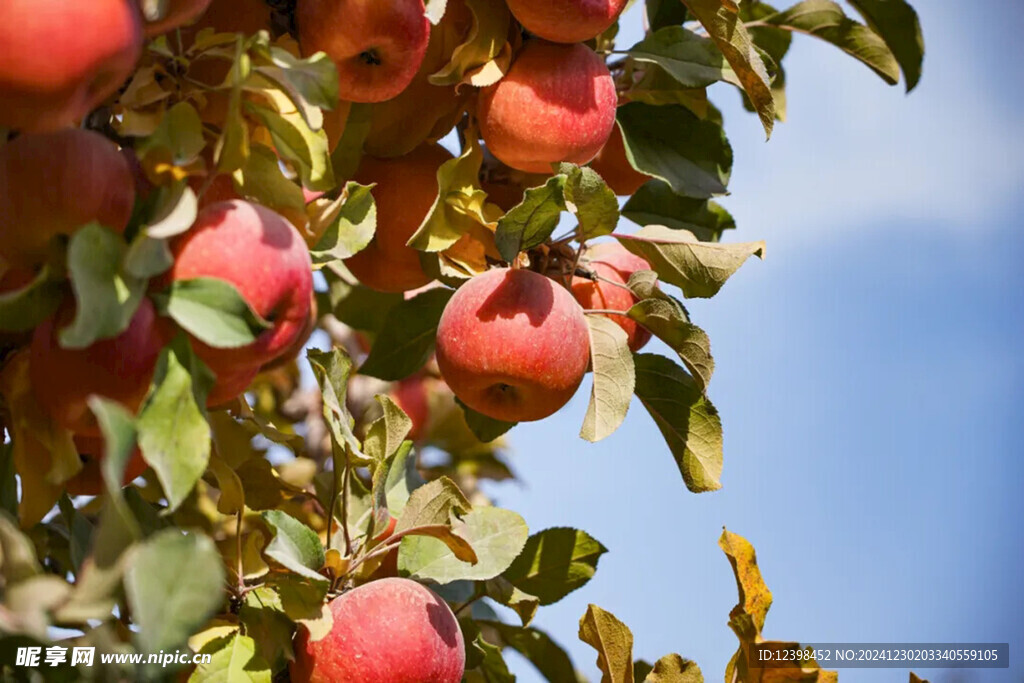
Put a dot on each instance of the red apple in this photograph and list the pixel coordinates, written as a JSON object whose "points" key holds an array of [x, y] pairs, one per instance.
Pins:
{"points": [[377, 46], [230, 385], [299, 345], [387, 631], [556, 103], [513, 345], [406, 190], [618, 257], [53, 183], [178, 13], [61, 58], [89, 480], [423, 111], [266, 259], [119, 369], [566, 21], [604, 295], [612, 165]]}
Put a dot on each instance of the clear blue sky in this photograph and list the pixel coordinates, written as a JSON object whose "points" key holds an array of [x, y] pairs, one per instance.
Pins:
{"points": [[869, 375]]}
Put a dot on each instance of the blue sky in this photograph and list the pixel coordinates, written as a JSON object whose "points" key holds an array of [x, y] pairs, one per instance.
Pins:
{"points": [[869, 377]]}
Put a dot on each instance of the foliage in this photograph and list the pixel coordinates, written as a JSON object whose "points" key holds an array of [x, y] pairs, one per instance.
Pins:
{"points": [[252, 515]]}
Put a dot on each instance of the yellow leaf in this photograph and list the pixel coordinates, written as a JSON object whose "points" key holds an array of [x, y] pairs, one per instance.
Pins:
{"points": [[755, 598], [487, 40], [44, 453], [232, 496], [613, 641]]}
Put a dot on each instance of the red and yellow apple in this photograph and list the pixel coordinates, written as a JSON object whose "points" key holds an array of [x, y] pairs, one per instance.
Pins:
{"points": [[411, 395], [178, 13], [423, 111], [266, 259], [387, 631], [513, 345], [53, 183], [406, 189], [612, 165], [119, 369], [566, 21], [610, 293], [377, 46], [62, 58], [556, 103]]}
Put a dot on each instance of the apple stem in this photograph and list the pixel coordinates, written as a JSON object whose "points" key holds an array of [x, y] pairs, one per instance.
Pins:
{"points": [[238, 548], [613, 282]]}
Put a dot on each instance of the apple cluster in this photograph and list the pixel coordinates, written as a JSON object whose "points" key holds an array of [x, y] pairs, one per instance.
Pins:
{"points": [[513, 343]]}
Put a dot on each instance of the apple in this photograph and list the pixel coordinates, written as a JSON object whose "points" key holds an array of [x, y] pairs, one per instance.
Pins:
{"points": [[62, 58], [556, 103], [598, 294], [377, 46], [53, 183], [388, 631], [618, 257], [513, 345], [266, 259], [299, 345], [612, 165], [89, 480], [566, 21], [119, 369], [179, 13], [406, 190], [423, 111]]}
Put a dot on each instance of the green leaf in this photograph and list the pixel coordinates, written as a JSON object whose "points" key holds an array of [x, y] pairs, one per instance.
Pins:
{"points": [[174, 583], [173, 433], [674, 669], [213, 311], [294, 545], [658, 88], [614, 378], [433, 504], [358, 306], [484, 41], [351, 229], [387, 432], [497, 536], [332, 370], [532, 221], [656, 204], [309, 83], [612, 640], [106, 297], [539, 649], [17, 553], [686, 418], [825, 19], [554, 563], [587, 195], [484, 428], [661, 13], [407, 338], [234, 660], [721, 20], [482, 656], [692, 60], [402, 479], [270, 627], [180, 132], [502, 591], [260, 179], [22, 309], [898, 24], [232, 147], [667, 320], [293, 139], [349, 151], [458, 208], [174, 211], [692, 155], [698, 268]]}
